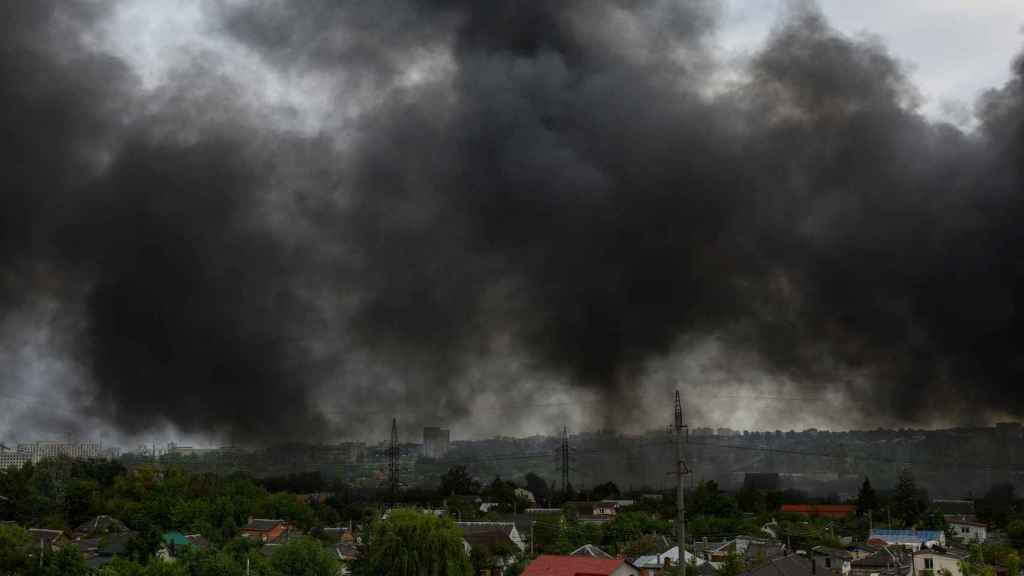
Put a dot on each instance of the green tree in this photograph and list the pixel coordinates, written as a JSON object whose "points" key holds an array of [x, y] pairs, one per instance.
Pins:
{"points": [[867, 500], [907, 504], [628, 527], [1012, 563], [606, 491], [122, 567], [409, 543], [1015, 530], [15, 544], [458, 481], [304, 557], [66, 561], [161, 568], [481, 559], [708, 500], [732, 566]]}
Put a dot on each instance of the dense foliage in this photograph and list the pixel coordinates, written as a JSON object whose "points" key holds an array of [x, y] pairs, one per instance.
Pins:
{"points": [[62, 494], [410, 543]]}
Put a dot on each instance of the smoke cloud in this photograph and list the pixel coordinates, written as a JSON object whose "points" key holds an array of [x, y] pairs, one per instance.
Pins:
{"points": [[497, 198]]}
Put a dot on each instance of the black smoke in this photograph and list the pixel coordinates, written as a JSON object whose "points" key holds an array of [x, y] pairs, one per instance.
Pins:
{"points": [[578, 181]]}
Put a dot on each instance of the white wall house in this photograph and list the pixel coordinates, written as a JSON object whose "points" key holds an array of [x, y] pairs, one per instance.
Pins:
{"points": [[933, 561], [969, 531]]}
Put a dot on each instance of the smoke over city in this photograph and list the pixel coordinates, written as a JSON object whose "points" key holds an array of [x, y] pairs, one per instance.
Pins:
{"points": [[439, 201]]}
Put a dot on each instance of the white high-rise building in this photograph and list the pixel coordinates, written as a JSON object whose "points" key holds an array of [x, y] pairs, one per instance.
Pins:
{"points": [[36, 451], [13, 459], [435, 441]]}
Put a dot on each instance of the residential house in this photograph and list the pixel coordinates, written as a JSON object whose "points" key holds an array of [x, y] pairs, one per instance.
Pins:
{"points": [[590, 551], [524, 494], [171, 544], [714, 551], [606, 508], [339, 534], [833, 561], [48, 540], [821, 510], [100, 551], [266, 530], [914, 539], [789, 565], [930, 561], [759, 553], [99, 526], [652, 564], [549, 565], [969, 530], [508, 531], [887, 561], [861, 551], [174, 542]]}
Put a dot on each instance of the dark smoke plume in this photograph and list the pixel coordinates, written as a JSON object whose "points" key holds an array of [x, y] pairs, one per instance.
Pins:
{"points": [[575, 185]]}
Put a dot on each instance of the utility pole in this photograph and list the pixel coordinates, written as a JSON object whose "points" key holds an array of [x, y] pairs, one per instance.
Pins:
{"points": [[393, 462], [564, 462], [531, 537], [681, 470]]}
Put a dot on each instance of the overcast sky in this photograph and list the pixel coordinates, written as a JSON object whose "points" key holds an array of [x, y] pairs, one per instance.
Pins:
{"points": [[953, 50]]}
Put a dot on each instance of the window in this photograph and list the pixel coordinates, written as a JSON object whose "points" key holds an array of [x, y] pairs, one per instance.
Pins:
{"points": [[928, 563], [828, 562]]}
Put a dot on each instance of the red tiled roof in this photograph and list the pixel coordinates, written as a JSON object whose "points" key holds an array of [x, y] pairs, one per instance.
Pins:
{"points": [[832, 510], [546, 565]]}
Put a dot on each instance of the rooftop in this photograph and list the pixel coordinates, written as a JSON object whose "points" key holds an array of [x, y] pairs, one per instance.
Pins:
{"points": [[262, 524], [546, 565], [791, 565], [591, 551], [905, 535]]}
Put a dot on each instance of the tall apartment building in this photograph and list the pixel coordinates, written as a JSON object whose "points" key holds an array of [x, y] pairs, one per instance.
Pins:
{"points": [[37, 451], [13, 459], [435, 441], [348, 452]]}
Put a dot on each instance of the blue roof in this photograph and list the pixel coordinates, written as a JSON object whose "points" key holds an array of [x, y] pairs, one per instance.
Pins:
{"points": [[906, 535]]}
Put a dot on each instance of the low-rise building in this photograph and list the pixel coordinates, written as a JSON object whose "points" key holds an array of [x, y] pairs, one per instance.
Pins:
{"points": [[99, 526], [606, 508], [653, 564], [834, 561], [590, 551], [969, 530], [929, 562], [789, 565], [550, 565], [887, 561], [914, 539], [507, 529], [47, 539], [266, 530]]}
